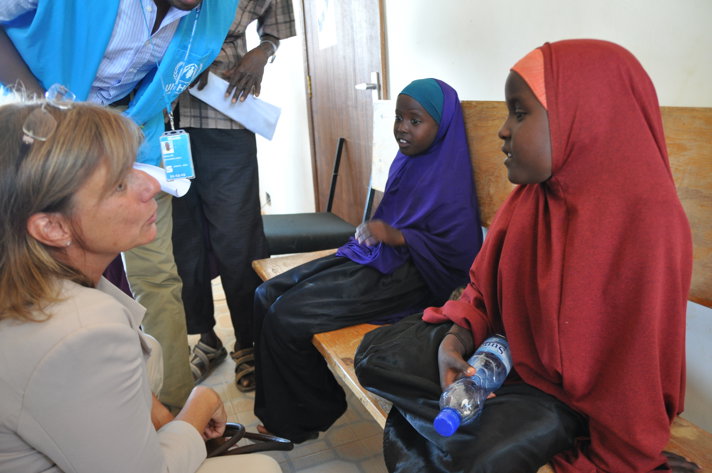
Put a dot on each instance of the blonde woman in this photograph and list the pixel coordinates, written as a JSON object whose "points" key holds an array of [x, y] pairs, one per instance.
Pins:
{"points": [[73, 381]]}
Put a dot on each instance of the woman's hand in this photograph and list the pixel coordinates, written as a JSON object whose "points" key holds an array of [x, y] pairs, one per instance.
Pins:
{"points": [[376, 231], [457, 344], [204, 410], [216, 424], [160, 415]]}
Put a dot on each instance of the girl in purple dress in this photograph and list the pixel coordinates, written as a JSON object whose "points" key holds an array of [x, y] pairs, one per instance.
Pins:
{"points": [[414, 252]]}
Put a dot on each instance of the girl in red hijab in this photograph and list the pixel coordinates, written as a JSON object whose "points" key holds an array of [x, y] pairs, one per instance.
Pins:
{"points": [[585, 269]]}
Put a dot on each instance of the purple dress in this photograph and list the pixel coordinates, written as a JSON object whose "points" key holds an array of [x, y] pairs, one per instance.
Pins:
{"points": [[431, 199]]}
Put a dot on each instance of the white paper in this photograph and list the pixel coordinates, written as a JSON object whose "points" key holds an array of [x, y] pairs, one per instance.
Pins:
{"points": [[254, 114], [385, 147], [176, 187]]}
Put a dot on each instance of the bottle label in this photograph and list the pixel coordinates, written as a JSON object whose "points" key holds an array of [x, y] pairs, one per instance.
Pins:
{"points": [[499, 347]]}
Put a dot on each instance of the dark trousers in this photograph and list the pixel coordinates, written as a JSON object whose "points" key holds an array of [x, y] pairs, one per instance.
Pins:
{"points": [[296, 393], [217, 228], [519, 430]]}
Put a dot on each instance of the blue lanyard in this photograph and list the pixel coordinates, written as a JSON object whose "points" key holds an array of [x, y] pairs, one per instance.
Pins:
{"points": [[169, 109]]}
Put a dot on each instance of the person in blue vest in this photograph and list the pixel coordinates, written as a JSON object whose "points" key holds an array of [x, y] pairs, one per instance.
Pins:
{"points": [[141, 54]]}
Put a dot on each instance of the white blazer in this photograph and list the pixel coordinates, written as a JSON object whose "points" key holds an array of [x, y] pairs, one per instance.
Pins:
{"points": [[74, 393]]}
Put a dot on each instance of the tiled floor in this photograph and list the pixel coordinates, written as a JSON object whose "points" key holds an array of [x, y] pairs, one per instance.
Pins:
{"points": [[352, 445]]}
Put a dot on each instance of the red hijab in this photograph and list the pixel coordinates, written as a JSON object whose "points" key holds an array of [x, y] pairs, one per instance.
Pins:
{"points": [[588, 273]]}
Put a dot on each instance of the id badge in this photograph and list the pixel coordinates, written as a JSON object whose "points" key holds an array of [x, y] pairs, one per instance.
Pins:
{"points": [[177, 158]]}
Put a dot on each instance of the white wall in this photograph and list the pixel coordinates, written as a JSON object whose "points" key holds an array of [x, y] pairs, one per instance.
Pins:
{"points": [[285, 161], [471, 44]]}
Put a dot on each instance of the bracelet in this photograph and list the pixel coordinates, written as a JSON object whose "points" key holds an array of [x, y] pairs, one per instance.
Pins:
{"points": [[274, 48], [459, 338]]}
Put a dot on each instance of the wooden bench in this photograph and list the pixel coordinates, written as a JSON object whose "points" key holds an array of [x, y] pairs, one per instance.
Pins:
{"points": [[687, 131]]}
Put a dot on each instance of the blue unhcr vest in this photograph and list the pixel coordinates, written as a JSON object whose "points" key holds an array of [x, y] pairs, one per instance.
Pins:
{"points": [[63, 41]]}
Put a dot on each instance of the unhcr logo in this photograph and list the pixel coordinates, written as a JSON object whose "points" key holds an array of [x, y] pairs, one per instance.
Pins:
{"points": [[183, 75]]}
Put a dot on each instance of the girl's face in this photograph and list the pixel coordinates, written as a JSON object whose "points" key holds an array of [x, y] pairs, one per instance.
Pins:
{"points": [[414, 128], [526, 134]]}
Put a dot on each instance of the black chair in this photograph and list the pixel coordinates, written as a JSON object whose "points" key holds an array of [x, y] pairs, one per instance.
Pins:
{"points": [[304, 232]]}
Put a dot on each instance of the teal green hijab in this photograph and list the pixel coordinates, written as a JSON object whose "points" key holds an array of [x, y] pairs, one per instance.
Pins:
{"points": [[428, 94]]}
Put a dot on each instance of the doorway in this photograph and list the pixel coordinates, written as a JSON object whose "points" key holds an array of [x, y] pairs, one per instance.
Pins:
{"points": [[344, 45]]}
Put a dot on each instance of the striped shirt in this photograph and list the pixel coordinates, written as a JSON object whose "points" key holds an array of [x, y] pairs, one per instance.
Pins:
{"points": [[130, 54], [275, 18]]}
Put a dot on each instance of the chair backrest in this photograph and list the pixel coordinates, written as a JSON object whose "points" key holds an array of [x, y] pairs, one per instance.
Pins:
{"points": [[687, 133], [482, 121]]}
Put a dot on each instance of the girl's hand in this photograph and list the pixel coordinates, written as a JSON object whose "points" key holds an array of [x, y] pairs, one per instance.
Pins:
{"points": [[454, 347], [377, 231]]}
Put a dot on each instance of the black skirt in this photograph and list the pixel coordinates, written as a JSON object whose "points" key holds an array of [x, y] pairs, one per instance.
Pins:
{"points": [[519, 430], [297, 396]]}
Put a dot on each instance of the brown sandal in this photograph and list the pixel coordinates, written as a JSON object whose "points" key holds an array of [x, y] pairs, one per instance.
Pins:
{"points": [[244, 369]]}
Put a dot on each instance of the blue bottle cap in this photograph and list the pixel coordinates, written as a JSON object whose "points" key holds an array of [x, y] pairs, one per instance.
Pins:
{"points": [[447, 422]]}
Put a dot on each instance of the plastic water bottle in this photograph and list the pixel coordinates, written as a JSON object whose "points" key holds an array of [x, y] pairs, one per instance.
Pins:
{"points": [[463, 400]]}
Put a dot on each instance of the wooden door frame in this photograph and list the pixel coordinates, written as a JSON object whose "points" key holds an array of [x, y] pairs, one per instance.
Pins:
{"points": [[385, 91]]}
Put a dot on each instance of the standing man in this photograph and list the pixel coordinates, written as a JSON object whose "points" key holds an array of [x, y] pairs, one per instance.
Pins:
{"points": [[220, 215], [103, 51]]}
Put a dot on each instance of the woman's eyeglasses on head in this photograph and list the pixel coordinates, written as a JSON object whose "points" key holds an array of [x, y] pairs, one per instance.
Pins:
{"points": [[40, 124]]}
